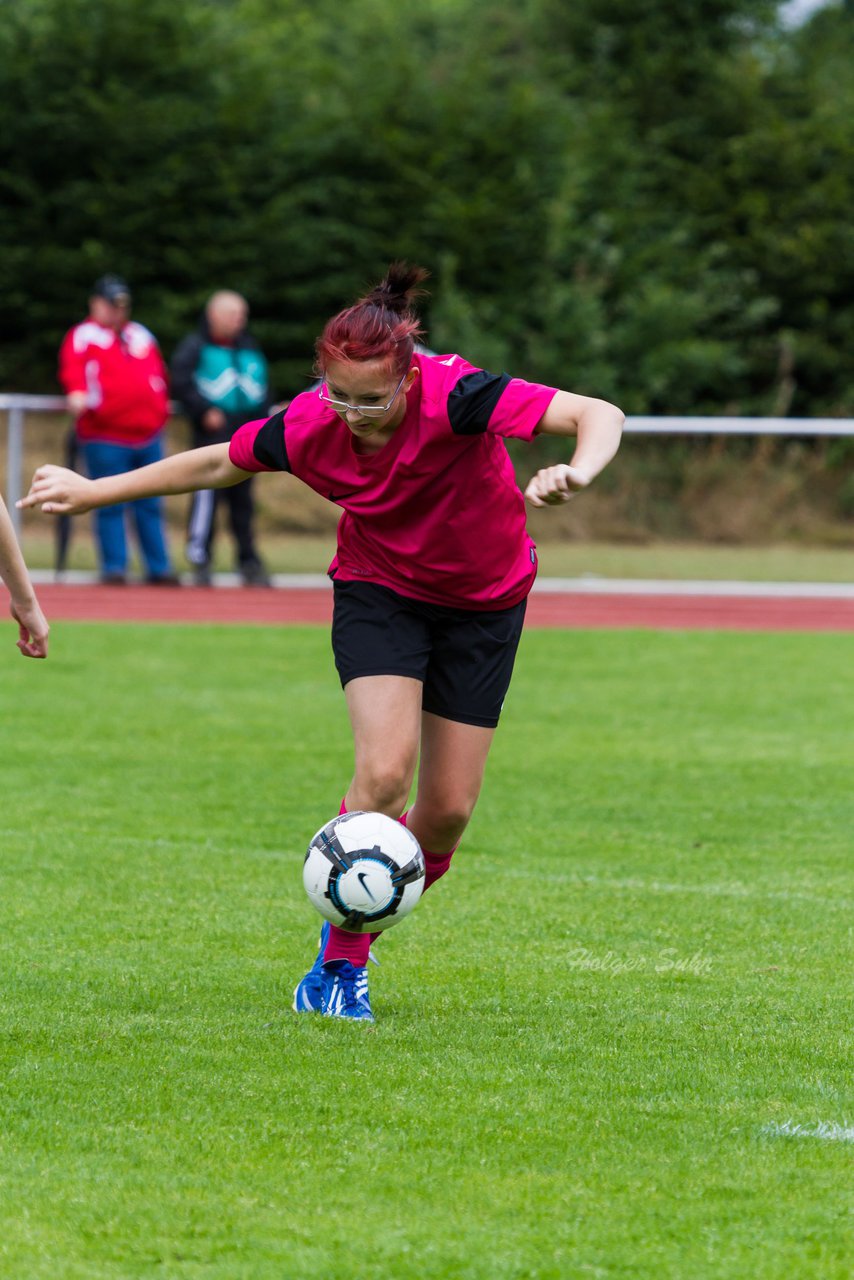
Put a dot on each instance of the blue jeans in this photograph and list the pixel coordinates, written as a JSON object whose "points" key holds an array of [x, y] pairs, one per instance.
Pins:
{"points": [[105, 459]]}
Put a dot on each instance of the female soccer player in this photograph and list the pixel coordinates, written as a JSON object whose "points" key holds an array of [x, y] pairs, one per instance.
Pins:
{"points": [[433, 566], [24, 607]]}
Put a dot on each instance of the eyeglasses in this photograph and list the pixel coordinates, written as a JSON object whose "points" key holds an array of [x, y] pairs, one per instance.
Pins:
{"points": [[366, 410]]}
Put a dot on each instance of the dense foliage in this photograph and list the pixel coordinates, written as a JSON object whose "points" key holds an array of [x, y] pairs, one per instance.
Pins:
{"points": [[631, 198]]}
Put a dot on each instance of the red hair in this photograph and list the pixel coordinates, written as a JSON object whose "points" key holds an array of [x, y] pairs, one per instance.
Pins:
{"points": [[380, 326]]}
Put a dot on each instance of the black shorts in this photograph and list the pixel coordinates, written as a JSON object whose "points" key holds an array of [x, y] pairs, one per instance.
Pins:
{"points": [[463, 657]]}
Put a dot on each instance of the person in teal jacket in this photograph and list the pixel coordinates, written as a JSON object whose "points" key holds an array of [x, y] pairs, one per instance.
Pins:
{"points": [[219, 376]]}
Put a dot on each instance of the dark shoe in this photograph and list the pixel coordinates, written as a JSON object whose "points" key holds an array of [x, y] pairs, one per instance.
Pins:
{"points": [[202, 576], [255, 575], [163, 580], [113, 580]]}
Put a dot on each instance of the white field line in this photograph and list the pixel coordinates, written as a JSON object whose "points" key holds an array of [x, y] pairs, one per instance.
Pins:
{"points": [[633, 884], [636, 884], [200, 843], [733, 889], [824, 1130]]}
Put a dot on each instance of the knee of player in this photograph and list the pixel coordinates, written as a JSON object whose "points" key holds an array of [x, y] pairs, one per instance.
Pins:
{"points": [[386, 784], [447, 817]]}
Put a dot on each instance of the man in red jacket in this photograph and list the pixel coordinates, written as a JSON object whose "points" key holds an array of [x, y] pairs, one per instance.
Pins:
{"points": [[116, 387]]}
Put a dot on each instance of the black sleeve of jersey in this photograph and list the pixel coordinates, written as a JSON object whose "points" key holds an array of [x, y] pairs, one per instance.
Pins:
{"points": [[269, 444], [473, 400]]}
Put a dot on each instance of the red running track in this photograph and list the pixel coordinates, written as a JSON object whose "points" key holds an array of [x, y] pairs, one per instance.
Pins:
{"points": [[95, 603]]}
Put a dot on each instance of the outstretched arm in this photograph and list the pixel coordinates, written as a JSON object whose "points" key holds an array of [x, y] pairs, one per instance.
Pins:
{"points": [[597, 426], [61, 492], [24, 607]]}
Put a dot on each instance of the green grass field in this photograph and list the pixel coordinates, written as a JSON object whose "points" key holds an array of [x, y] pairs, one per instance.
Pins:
{"points": [[615, 1041]]}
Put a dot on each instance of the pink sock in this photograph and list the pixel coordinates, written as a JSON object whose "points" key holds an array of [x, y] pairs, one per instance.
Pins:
{"points": [[436, 866], [341, 945], [437, 863], [354, 947]]}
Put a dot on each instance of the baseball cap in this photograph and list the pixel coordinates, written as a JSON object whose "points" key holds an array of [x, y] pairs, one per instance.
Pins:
{"points": [[113, 288]]}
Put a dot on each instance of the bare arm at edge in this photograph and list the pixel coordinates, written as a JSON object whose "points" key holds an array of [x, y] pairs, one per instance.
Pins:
{"points": [[23, 605]]}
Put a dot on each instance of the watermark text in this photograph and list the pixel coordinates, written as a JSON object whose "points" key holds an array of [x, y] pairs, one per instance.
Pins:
{"points": [[667, 960]]}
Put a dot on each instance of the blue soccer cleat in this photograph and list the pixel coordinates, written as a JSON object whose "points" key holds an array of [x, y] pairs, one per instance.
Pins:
{"points": [[308, 995], [344, 991]]}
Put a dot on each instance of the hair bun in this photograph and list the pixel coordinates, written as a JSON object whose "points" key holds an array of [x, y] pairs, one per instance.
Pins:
{"points": [[380, 326], [400, 287]]}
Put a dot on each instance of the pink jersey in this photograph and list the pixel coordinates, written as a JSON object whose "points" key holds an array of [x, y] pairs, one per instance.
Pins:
{"points": [[436, 514]]}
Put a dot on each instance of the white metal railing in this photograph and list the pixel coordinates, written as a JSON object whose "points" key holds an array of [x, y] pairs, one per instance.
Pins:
{"points": [[17, 406], [741, 426]]}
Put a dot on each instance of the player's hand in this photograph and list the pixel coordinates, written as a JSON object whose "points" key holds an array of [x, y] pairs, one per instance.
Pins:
{"points": [[554, 485], [32, 629], [58, 491]]}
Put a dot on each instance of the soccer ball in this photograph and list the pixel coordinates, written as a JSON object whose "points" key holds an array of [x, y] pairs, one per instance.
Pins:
{"points": [[364, 871]]}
